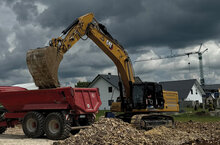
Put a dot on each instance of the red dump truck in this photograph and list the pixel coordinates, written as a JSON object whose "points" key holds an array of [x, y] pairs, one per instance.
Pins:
{"points": [[54, 112]]}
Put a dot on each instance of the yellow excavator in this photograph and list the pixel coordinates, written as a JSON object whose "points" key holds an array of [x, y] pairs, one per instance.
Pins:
{"points": [[143, 104]]}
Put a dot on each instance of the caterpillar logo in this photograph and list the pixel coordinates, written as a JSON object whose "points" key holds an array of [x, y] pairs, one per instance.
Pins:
{"points": [[109, 44]]}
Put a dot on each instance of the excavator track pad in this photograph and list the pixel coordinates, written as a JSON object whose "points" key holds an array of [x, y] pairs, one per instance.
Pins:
{"points": [[43, 64], [149, 121]]}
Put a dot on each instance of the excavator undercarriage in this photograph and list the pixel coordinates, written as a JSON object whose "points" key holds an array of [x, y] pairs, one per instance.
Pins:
{"points": [[149, 121]]}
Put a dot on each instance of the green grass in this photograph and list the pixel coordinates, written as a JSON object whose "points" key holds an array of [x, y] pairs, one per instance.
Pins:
{"points": [[100, 113], [194, 117], [200, 115], [189, 110], [189, 114]]}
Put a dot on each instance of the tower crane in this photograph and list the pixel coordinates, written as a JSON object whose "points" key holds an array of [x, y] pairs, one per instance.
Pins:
{"points": [[199, 52]]}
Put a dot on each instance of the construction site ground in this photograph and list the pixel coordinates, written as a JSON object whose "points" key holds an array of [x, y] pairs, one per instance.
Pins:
{"points": [[15, 136], [115, 131]]}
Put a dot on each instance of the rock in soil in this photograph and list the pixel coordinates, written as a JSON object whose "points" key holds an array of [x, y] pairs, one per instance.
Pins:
{"points": [[115, 131]]}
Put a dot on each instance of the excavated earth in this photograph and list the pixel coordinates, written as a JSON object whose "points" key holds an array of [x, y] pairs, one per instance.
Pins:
{"points": [[115, 131]]}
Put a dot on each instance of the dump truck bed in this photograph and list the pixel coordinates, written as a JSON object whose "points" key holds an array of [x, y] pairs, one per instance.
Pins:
{"points": [[80, 100]]}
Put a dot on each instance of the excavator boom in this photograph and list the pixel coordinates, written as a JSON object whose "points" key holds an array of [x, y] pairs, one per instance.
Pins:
{"points": [[43, 63], [135, 98]]}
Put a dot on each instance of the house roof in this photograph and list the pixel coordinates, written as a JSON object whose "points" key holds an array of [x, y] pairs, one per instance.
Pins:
{"points": [[112, 79], [183, 87], [213, 87]]}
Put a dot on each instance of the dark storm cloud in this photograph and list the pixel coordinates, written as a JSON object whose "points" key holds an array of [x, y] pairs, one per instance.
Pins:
{"points": [[25, 11], [13, 63], [175, 24], [85, 62], [172, 24], [3, 42], [62, 13], [137, 25]]}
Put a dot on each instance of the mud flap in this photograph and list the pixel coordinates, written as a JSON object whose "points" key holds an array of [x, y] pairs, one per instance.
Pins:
{"points": [[43, 64]]}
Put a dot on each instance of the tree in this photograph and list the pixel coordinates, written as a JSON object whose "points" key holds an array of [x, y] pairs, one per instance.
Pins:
{"points": [[82, 84]]}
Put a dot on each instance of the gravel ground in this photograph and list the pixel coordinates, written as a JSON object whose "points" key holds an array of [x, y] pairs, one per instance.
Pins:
{"points": [[117, 132], [15, 136]]}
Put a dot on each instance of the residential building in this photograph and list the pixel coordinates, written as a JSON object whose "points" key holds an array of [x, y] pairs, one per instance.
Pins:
{"points": [[108, 88], [189, 91], [213, 91]]}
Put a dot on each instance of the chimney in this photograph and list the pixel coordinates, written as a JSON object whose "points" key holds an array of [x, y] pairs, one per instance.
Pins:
{"points": [[109, 75]]}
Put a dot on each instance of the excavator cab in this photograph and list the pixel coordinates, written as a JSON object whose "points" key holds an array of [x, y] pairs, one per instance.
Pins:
{"points": [[147, 95]]}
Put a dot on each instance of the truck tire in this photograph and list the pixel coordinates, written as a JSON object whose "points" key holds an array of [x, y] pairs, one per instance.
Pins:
{"points": [[33, 124], [56, 126], [2, 128]]}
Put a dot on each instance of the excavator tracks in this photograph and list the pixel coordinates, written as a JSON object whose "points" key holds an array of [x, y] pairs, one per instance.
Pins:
{"points": [[43, 64], [149, 121]]}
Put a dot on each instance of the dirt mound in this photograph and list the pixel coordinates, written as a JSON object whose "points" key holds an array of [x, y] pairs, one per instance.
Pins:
{"points": [[209, 132], [115, 131], [107, 131]]}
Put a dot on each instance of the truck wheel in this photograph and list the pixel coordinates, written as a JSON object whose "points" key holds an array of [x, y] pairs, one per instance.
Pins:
{"points": [[2, 128], [56, 126], [32, 124]]}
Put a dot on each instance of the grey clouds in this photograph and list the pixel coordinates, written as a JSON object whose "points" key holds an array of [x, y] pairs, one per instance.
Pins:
{"points": [[140, 26]]}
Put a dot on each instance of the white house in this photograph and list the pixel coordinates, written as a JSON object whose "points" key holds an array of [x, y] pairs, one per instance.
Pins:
{"points": [[108, 88], [212, 90], [195, 94], [29, 86], [188, 90]]}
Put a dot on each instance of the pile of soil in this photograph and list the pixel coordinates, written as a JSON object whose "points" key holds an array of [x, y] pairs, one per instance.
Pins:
{"points": [[209, 132], [115, 131]]}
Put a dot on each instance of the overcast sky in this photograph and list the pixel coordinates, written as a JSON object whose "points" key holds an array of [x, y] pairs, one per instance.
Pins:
{"points": [[146, 29]]}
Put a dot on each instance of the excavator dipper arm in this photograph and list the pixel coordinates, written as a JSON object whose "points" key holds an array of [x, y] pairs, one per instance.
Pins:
{"points": [[117, 54], [43, 63]]}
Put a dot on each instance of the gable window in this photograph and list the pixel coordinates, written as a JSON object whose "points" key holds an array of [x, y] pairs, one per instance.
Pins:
{"points": [[110, 89], [191, 91], [196, 92]]}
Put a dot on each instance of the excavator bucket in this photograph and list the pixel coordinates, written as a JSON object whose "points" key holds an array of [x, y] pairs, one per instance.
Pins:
{"points": [[43, 64]]}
